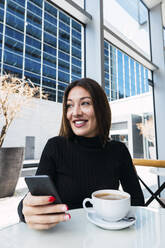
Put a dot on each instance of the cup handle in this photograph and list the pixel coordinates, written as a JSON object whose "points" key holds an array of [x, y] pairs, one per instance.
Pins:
{"points": [[84, 205]]}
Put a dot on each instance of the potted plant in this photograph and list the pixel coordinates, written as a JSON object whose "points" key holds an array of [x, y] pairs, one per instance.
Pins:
{"points": [[15, 93]]}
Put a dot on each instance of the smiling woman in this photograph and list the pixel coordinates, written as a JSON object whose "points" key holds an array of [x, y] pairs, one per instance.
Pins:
{"points": [[82, 159]]}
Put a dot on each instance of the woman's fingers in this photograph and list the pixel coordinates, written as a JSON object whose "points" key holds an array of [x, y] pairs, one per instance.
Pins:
{"points": [[47, 219], [38, 200]]}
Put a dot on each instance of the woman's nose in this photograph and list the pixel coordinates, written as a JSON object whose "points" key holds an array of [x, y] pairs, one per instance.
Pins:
{"points": [[77, 110]]}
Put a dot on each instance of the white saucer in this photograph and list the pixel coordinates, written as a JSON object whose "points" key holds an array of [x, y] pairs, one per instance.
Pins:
{"points": [[93, 218]]}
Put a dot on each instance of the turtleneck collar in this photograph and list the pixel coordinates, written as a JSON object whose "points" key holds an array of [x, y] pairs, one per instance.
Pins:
{"points": [[91, 142]]}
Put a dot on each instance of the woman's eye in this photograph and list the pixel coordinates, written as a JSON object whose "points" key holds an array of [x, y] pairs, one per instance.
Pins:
{"points": [[69, 106], [85, 103]]}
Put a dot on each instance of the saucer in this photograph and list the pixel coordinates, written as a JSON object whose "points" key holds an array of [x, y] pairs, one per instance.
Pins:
{"points": [[121, 224]]}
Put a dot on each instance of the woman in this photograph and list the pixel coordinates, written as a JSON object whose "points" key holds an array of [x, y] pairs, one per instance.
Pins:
{"points": [[82, 159]]}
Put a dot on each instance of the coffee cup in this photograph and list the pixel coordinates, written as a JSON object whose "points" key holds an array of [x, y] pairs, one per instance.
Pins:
{"points": [[110, 205]]}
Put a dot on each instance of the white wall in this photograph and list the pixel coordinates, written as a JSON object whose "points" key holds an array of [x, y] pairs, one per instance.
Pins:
{"points": [[41, 120]]}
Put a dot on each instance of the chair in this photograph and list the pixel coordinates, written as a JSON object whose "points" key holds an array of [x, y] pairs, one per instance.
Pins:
{"points": [[157, 164]]}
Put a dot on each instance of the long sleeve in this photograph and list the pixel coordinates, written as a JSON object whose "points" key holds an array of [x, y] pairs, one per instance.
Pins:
{"points": [[46, 167], [129, 178]]}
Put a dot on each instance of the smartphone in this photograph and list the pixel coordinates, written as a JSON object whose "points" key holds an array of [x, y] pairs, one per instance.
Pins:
{"points": [[40, 185]]}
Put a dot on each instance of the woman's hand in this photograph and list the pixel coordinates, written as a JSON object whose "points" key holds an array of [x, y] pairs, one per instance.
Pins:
{"points": [[40, 214]]}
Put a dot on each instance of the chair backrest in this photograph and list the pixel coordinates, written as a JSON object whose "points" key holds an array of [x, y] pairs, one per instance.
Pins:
{"points": [[149, 162]]}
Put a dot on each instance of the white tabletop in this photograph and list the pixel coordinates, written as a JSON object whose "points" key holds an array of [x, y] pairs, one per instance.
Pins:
{"points": [[148, 231]]}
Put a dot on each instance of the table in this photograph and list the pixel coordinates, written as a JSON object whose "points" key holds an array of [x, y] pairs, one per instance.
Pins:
{"points": [[148, 231]]}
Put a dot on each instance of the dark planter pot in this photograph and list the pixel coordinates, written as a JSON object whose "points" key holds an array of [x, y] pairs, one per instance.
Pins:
{"points": [[11, 160]]}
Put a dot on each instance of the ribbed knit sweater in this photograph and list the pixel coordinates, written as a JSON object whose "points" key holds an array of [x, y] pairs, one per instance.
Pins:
{"points": [[83, 165]]}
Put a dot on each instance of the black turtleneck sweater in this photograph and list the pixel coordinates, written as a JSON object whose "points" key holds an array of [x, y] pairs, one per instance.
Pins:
{"points": [[80, 166]]}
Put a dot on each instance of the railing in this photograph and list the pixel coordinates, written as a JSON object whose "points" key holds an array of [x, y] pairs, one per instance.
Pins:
{"points": [[157, 164]]}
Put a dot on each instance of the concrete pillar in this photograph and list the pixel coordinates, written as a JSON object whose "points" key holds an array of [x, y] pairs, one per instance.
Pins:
{"points": [[158, 58], [95, 41]]}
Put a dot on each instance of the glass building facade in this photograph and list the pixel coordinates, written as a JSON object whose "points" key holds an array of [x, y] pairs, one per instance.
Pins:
{"points": [[41, 43], [124, 77]]}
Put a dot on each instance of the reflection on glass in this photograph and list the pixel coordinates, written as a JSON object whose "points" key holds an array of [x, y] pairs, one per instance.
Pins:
{"points": [[133, 22]]}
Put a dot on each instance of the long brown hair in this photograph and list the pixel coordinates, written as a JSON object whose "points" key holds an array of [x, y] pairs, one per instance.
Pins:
{"points": [[100, 104]]}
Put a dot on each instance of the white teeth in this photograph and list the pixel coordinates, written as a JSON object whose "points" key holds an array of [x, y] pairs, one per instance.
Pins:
{"points": [[79, 122]]}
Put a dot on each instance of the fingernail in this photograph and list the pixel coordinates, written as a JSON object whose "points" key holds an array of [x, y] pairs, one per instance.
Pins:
{"points": [[65, 208], [67, 217], [52, 199]]}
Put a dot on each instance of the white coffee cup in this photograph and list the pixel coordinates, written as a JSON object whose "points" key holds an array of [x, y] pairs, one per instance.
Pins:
{"points": [[111, 205]]}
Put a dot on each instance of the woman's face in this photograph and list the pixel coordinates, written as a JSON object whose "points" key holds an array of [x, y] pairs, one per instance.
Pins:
{"points": [[80, 112]]}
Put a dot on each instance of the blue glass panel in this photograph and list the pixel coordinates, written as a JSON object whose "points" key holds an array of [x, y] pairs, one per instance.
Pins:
{"points": [[50, 9], [15, 22], [0, 55], [64, 18], [21, 2], [12, 70], [107, 83], [15, 9], [132, 78], [13, 45], [49, 82], [63, 66], [50, 39], [106, 52], [33, 53], [2, 2], [34, 9], [64, 36], [37, 2], [76, 53], [33, 42], [63, 77], [49, 60], [14, 34], [76, 25], [63, 56], [76, 34], [50, 19], [137, 79], [76, 43], [50, 28], [1, 15], [142, 79], [76, 62], [62, 86], [34, 19], [106, 75], [64, 47], [76, 71], [106, 45], [49, 72], [60, 96], [106, 60], [32, 66], [33, 31], [120, 75], [64, 27], [49, 50], [34, 78], [146, 78], [106, 68], [50, 92], [127, 78], [12, 59], [74, 78], [1, 28]]}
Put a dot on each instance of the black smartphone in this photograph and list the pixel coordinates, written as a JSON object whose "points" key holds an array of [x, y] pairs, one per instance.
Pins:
{"points": [[40, 185]]}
